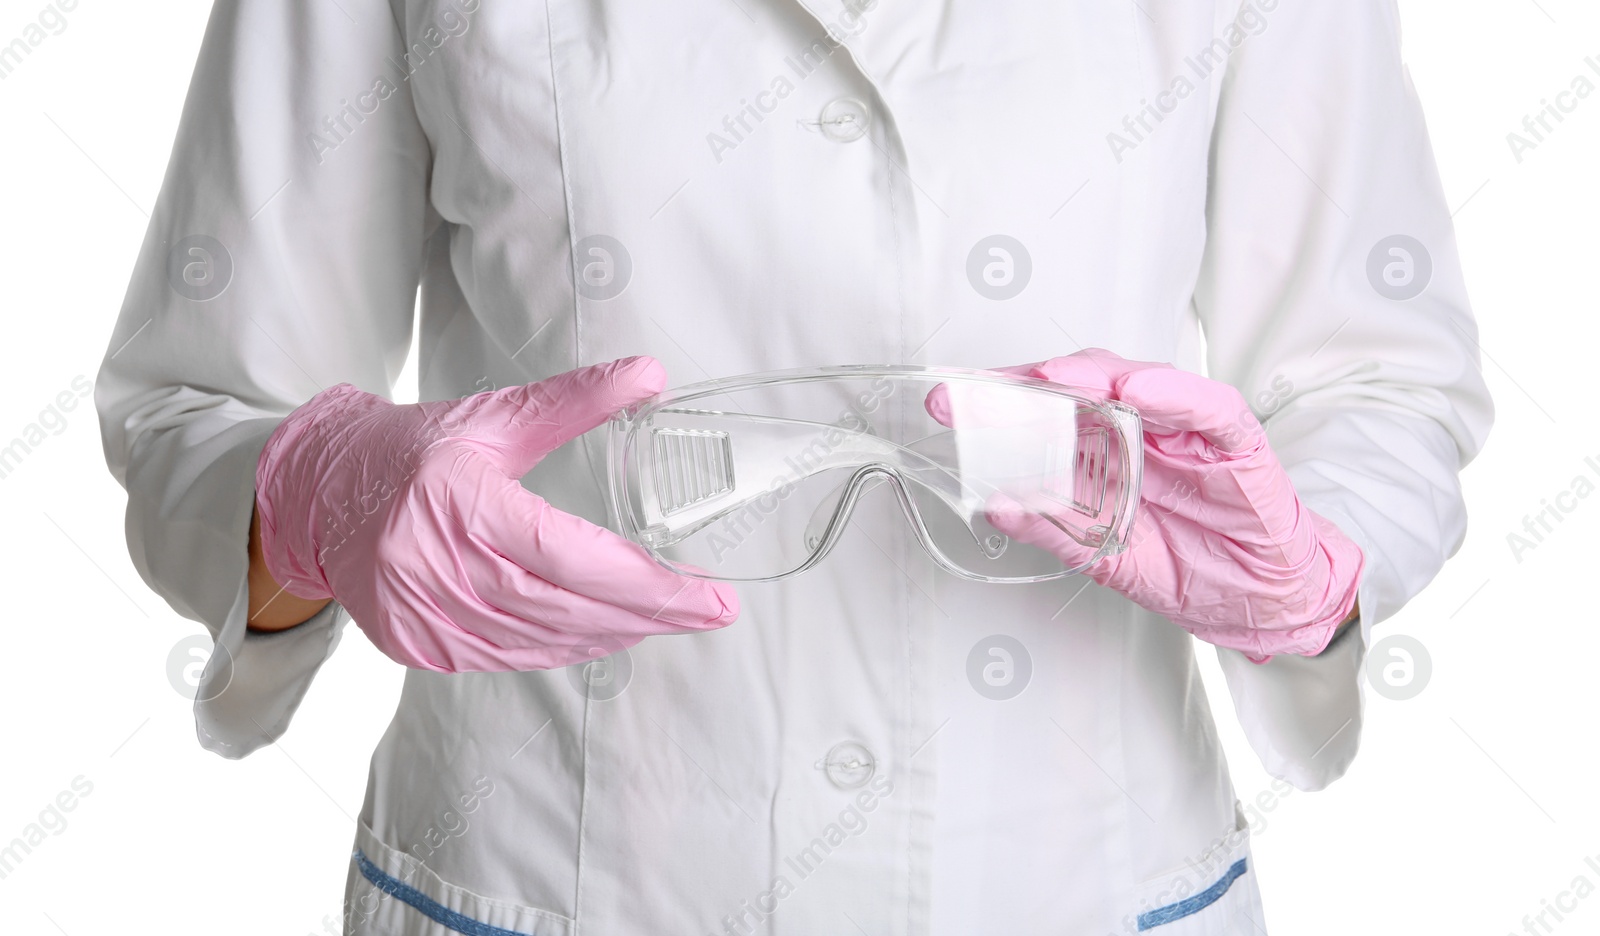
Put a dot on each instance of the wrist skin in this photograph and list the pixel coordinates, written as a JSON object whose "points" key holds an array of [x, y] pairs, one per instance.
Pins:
{"points": [[272, 607], [1349, 619]]}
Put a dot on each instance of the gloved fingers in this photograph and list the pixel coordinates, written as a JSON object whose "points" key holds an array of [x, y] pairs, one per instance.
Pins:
{"points": [[516, 610], [531, 625], [1207, 495], [1175, 401], [519, 425], [1037, 528], [574, 554], [945, 411], [1248, 498], [971, 405], [1163, 555], [1210, 532], [1092, 370]]}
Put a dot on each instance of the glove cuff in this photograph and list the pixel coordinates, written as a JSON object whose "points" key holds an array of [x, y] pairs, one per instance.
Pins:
{"points": [[1346, 562], [287, 474]]}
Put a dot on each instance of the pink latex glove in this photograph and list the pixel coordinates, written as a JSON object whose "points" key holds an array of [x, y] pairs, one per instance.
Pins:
{"points": [[412, 517], [1222, 546]]}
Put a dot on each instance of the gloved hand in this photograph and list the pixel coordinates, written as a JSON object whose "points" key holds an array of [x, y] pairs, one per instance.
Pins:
{"points": [[1222, 545], [412, 517]]}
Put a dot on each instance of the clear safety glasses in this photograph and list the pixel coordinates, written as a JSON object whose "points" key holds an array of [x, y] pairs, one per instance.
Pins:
{"points": [[754, 478]]}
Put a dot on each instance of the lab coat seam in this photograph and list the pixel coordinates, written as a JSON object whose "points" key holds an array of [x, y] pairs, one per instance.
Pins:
{"points": [[1129, 664], [894, 228], [583, 819], [584, 446], [566, 190], [910, 719], [577, 357]]}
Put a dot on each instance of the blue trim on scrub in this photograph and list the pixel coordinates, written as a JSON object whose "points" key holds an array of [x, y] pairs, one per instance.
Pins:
{"points": [[1193, 905], [424, 904]]}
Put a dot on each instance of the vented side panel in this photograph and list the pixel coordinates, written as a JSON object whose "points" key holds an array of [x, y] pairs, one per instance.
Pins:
{"points": [[691, 466]]}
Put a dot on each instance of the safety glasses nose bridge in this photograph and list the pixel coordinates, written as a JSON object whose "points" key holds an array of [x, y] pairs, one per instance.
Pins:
{"points": [[827, 525]]}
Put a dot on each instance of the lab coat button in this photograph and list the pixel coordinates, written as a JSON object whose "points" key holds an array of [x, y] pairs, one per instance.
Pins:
{"points": [[844, 120], [848, 765]]}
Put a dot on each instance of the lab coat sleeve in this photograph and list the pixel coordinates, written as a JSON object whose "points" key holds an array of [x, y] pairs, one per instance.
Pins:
{"points": [[1373, 403], [300, 157]]}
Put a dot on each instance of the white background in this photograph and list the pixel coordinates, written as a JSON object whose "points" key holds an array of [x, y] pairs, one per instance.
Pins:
{"points": [[1470, 806]]}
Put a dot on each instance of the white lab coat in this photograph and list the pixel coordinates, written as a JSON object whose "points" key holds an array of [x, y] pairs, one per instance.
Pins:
{"points": [[1165, 171]]}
